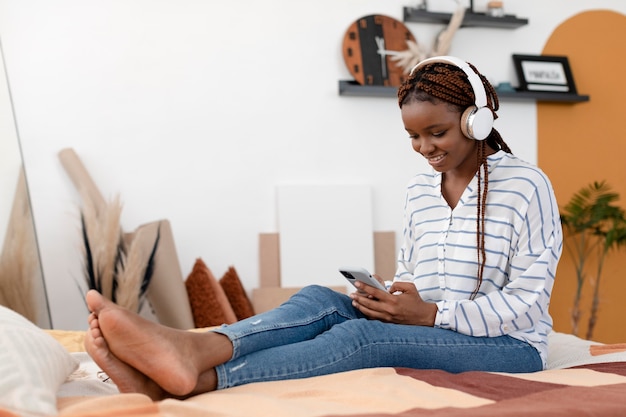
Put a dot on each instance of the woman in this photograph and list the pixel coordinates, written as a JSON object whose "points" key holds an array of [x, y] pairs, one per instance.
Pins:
{"points": [[482, 239]]}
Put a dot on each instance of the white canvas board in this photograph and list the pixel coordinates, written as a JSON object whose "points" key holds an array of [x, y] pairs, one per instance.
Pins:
{"points": [[321, 228]]}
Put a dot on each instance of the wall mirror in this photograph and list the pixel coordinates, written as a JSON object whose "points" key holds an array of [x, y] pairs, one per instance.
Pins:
{"points": [[22, 287]]}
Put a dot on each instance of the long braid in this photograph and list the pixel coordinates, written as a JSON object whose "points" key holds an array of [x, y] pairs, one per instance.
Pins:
{"points": [[438, 82], [481, 255]]}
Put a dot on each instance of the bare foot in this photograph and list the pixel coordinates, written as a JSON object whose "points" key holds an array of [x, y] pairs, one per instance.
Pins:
{"points": [[127, 378], [132, 347]]}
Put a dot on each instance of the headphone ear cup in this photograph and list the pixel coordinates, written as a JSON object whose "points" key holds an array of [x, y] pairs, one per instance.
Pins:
{"points": [[476, 123]]}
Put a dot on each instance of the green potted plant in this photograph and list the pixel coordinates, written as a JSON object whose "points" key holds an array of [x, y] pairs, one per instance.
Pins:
{"points": [[594, 225]]}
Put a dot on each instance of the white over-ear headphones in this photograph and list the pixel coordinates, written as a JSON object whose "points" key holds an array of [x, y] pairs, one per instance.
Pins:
{"points": [[476, 120]]}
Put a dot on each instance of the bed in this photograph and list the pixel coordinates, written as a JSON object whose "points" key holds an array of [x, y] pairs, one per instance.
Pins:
{"points": [[47, 373]]}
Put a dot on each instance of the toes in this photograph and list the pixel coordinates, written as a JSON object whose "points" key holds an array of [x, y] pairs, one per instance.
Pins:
{"points": [[95, 301], [96, 333], [95, 343]]}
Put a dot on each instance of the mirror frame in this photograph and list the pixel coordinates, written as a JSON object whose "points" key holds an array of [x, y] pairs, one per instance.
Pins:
{"points": [[19, 254]]}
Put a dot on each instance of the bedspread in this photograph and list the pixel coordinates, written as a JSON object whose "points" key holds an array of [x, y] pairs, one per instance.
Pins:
{"points": [[597, 389], [585, 378]]}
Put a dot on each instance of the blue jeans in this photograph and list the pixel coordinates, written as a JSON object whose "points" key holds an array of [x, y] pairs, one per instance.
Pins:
{"points": [[318, 332]]}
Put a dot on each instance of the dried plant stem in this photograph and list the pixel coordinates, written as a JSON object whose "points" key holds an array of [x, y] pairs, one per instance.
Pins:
{"points": [[121, 271], [104, 242], [131, 275], [19, 261]]}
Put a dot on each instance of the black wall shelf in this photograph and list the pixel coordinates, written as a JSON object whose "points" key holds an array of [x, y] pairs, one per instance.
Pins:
{"points": [[471, 19], [354, 89]]}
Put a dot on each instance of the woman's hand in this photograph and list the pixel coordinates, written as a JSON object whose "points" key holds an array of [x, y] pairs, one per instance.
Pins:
{"points": [[401, 305]]}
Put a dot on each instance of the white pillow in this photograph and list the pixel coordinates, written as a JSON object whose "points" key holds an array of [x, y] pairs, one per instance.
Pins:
{"points": [[33, 365], [566, 351]]}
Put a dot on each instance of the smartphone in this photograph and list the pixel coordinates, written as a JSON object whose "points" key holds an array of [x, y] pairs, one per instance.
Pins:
{"points": [[353, 274]]}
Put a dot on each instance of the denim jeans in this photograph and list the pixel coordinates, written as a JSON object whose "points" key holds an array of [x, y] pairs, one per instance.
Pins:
{"points": [[318, 332]]}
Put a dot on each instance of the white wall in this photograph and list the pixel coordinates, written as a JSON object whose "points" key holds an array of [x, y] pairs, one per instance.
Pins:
{"points": [[10, 159], [195, 110]]}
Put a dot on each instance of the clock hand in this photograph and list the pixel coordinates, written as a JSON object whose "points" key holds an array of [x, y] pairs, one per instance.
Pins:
{"points": [[388, 52], [380, 43]]}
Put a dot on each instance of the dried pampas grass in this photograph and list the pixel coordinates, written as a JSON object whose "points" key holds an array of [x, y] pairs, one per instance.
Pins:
{"points": [[119, 270], [20, 271], [103, 244], [137, 269], [415, 52]]}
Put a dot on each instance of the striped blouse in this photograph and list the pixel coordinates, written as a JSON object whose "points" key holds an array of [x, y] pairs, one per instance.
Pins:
{"points": [[523, 242]]}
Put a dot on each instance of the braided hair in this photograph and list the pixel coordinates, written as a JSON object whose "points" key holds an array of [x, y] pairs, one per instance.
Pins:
{"points": [[439, 82]]}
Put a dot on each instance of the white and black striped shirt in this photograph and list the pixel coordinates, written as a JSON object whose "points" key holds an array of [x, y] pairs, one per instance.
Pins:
{"points": [[523, 242]]}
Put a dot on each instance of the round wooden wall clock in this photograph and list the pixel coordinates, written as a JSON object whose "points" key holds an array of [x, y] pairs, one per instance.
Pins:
{"points": [[368, 44]]}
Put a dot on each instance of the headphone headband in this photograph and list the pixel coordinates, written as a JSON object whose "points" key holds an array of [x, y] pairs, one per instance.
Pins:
{"points": [[474, 79]]}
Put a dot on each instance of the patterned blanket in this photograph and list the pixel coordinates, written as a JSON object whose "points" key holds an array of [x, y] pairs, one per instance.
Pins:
{"points": [[596, 389], [584, 378]]}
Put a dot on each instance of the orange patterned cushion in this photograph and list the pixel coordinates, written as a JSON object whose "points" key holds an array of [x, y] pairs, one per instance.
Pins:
{"points": [[209, 304], [236, 294]]}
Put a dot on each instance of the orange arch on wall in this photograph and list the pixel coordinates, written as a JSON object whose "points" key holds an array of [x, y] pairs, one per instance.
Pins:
{"points": [[586, 142]]}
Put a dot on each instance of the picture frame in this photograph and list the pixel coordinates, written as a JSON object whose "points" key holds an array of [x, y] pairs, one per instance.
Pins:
{"points": [[546, 73]]}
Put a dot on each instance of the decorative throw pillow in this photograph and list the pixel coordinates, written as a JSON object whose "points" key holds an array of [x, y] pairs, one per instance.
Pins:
{"points": [[33, 365], [236, 294], [209, 304]]}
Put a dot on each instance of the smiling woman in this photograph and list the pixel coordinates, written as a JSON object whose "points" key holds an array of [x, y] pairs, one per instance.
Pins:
{"points": [[21, 279]]}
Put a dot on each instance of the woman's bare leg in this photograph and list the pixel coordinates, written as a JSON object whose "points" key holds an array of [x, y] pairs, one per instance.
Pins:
{"points": [[179, 361]]}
